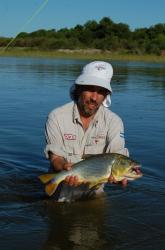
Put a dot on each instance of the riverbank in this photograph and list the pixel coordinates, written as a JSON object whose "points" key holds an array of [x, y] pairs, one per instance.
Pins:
{"points": [[92, 54]]}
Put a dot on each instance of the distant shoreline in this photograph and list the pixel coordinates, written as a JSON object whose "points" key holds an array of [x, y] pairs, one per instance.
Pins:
{"points": [[91, 54]]}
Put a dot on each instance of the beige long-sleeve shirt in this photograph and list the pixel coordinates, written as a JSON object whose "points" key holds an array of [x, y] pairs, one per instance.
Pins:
{"points": [[66, 137]]}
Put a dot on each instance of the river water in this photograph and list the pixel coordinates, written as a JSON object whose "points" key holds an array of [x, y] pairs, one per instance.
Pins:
{"points": [[129, 218]]}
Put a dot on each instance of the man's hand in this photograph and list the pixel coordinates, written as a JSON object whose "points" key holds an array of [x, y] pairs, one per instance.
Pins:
{"points": [[72, 180], [111, 179], [59, 163], [67, 166]]}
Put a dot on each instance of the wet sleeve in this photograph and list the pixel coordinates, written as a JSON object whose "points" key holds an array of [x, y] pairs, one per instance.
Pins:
{"points": [[54, 139], [116, 138]]}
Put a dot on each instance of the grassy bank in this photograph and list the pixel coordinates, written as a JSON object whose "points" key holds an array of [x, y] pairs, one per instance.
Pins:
{"points": [[81, 54]]}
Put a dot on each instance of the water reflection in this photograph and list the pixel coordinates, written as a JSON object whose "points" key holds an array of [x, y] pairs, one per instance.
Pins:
{"points": [[76, 226]]}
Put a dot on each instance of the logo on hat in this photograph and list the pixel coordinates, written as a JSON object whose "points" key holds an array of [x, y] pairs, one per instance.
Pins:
{"points": [[100, 67]]}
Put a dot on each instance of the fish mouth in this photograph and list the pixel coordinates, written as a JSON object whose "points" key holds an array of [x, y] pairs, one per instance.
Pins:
{"points": [[134, 173]]}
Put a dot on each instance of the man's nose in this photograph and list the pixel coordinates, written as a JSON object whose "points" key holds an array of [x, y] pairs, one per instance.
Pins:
{"points": [[94, 95]]}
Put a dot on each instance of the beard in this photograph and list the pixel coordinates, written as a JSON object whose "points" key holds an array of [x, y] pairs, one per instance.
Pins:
{"points": [[88, 108]]}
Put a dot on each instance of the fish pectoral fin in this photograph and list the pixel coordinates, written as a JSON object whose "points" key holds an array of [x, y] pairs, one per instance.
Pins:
{"points": [[44, 178], [51, 188]]}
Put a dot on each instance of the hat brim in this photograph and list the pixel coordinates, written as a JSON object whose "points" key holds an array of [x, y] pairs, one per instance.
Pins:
{"points": [[93, 80]]}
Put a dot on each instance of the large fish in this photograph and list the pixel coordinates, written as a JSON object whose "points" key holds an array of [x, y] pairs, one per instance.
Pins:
{"points": [[95, 170]]}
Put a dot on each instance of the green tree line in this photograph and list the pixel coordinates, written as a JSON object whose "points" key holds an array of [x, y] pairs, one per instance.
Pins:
{"points": [[103, 35]]}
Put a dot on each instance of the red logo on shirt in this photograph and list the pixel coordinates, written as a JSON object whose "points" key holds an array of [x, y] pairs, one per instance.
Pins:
{"points": [[69, 137]]}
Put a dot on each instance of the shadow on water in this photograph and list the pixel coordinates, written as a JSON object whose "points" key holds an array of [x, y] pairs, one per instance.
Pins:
{"points": [[77, 225]]}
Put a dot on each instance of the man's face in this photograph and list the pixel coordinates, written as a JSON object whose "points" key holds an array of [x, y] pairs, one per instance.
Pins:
{"points": [[90, 99]]}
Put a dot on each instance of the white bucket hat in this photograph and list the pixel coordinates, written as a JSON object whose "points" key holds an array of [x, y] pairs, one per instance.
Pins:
{"points": [[96, 73]]}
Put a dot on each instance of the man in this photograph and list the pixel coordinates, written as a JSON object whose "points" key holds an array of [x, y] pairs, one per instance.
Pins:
{"points": [[85, 126]]}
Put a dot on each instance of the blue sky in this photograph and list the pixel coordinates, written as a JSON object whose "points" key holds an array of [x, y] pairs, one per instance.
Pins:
{"points": [[56, 14]]}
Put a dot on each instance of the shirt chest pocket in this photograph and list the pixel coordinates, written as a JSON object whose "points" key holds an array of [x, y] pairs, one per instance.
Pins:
{"points": [[96, 145], [72, 152]]}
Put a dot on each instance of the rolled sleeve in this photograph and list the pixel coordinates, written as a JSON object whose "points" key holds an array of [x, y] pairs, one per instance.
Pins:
{"points": [[54, 139], [116, 139]]}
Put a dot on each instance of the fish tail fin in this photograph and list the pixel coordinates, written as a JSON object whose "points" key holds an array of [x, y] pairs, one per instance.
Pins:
{"points": [[51, 188], [44, 178]]}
